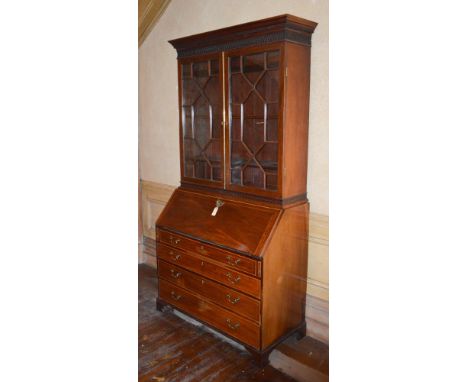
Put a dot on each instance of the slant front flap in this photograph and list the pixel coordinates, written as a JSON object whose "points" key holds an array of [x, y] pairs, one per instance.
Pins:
{"points": [[231, 224]]}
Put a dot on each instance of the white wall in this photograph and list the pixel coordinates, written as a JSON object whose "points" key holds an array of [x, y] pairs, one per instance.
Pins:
{"points": [[158, 103]]}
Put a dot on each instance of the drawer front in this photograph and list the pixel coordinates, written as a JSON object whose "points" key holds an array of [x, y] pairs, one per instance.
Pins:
{"points": [[232, 260], [228, 298], [171, 238], [247, 284], [222, 319], [168, 253]]}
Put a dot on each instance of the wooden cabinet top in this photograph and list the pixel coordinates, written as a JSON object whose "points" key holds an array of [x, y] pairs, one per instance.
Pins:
{"points": [[273, 29]]}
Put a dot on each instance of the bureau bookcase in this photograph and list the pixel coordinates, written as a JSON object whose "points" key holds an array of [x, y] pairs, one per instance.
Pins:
{"points": [[231, 243]]}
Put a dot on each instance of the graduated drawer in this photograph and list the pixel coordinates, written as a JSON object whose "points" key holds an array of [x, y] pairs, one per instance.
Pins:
{"points": [[205, 268], [222, 319], [232, 260], [228, 298]]}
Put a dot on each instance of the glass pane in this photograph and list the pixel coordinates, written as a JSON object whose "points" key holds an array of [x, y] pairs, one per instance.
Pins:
{"points": [[214, 68], [236, 176], [272, 130], [239, 155], [234, 64], [268, 86], [272, 110], [186, 70], [254, 107], [240, 88], [272, 181], [192, 152], [211, 91], [267, 157], [190, 92], [217, 174], [187, 121], [236, 110], [189, 169], [202, 169], [253, 134], [273, 59], [236, 129], [213, 152], [253, 115], [253, 66], [253, 176], [201, 120], [200, 72], [201, 128]]}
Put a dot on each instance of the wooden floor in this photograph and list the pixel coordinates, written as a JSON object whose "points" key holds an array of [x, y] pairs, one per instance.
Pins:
{"points": [[171, 349]]}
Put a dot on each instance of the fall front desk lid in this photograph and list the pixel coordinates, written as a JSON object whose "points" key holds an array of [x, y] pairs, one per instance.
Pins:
{"points": [[228, 223]]}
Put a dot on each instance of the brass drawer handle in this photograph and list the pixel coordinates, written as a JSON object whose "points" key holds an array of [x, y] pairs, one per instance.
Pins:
{"points": [[174, 240], [175, 296], [202, 250], [175, 274], [233, 301], [231, 325], [231, 279], [176, 257], [231, 262]]}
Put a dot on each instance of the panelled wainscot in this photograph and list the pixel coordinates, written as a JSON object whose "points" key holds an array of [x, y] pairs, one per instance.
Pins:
{"points": [[232, 240]]}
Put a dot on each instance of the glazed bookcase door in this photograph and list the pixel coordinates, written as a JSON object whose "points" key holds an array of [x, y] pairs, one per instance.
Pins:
{"points": [[254, 93], [201, 109]]}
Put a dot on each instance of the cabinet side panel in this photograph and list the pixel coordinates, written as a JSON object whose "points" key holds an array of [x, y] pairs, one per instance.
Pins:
{"points": [[285, 275], [296, 120]]}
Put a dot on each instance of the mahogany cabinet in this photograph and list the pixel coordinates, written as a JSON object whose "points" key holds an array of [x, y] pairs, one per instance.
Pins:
{"points": [[232, 240]]}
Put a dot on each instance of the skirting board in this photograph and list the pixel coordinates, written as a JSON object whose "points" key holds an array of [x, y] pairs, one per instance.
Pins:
{"points": [[316, 312], [147, 252], [316, 316]]}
